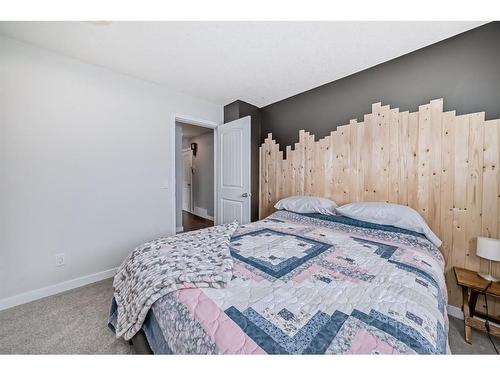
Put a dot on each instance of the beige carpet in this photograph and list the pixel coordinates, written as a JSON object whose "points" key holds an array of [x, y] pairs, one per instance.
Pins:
{"points": [[76, 322]]}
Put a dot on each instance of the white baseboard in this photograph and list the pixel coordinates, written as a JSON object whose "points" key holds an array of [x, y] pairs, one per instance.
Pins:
{"points": [[202, 212], [455, 312], [50, 290], [179, 229]]}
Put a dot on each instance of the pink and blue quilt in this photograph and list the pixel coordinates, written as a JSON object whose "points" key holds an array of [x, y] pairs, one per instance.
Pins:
{"points": [[313, 284]]}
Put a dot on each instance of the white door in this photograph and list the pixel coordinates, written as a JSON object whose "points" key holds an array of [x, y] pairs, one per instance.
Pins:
{"points": [[233, 155], [187, 180]]}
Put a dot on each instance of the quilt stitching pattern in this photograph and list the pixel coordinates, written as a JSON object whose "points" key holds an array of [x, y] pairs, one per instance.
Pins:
{"points": [[273, 252], [302, 285]]}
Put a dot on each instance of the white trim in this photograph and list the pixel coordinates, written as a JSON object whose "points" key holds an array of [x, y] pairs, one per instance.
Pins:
{"points": [[50, 290], [193, 121], [216, 218], [202, 212], [455, 312], [179, 229]]}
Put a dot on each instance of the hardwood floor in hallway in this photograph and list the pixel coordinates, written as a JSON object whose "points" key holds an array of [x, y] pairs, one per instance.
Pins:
{"points": [[192, 222]]}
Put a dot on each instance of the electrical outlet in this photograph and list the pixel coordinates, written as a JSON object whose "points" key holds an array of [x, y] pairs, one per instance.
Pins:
{"points": [[59, 259]]}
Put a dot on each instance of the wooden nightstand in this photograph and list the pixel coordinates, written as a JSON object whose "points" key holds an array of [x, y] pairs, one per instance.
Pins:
{"points": [[472, 285]]}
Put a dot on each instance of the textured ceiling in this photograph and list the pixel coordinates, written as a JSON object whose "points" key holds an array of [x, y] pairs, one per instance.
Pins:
{"points": [[190, 131], [258, 62]]}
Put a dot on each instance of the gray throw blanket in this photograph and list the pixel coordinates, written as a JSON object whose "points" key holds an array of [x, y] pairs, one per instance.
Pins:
{"points": [[195, 259]]}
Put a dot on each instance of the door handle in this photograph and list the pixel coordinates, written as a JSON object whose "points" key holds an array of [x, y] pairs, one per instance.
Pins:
{"points": [[245, 195]]}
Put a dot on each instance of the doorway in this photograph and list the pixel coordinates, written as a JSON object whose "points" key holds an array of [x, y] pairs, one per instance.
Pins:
{"points": [[195, 175]]}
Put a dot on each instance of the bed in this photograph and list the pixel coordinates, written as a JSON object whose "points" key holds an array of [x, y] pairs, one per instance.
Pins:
{"points": [[311, 284]]}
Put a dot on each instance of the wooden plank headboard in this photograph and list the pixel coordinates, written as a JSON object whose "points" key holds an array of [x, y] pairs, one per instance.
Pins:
{"points": [[442, 164]]}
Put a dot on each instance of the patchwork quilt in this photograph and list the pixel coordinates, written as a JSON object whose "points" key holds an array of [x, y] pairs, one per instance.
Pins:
{"points": [[188, 260], [313, 284]]}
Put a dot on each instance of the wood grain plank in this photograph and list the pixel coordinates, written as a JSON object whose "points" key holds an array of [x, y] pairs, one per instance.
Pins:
{"points": [[360, 152], [424, 141], [353, 162], [403, 157], [366, 160], [266, 163], [461, 140], [446, 188], [295, 159], [446, 196], [344, 178], [309, 164], [491, 182], [383, 180], [271, 176], [328, 167], [413, 160], [436, 113], [289, 171], [301, 165], [491, 164], [474, 188], [336, 175], [279, 175], [394, 155], [379, 133]]}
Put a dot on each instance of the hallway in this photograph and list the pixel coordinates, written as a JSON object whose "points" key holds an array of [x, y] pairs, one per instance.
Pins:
{"points": [[192, 222]]}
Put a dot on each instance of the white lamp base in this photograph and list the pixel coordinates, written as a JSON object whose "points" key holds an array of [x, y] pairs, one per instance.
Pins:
{"points": [[488, 276]]}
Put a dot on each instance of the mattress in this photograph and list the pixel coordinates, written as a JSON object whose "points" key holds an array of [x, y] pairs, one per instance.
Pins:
{"points": [[312, 284]]}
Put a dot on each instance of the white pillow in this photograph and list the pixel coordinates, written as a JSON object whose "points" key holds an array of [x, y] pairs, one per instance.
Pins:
{"points": [[389, 214], [307, 205]]}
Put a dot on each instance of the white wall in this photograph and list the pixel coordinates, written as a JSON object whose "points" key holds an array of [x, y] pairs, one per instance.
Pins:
{"points": [[186, 143], [84, 153], [203, 174]]}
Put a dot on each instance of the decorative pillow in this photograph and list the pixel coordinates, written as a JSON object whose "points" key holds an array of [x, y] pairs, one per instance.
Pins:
{"points": [[307, 205], [389, 214]]}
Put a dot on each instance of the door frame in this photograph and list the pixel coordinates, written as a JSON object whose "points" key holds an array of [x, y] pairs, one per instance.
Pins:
{"points": [[177, 117]]}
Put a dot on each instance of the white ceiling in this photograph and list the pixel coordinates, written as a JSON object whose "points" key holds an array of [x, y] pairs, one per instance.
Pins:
{"points": [[258, 62], [190, 131]]}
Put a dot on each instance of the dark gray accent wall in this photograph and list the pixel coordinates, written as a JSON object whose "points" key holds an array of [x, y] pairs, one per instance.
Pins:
{"points": [[234, 111], [464, 70]]}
